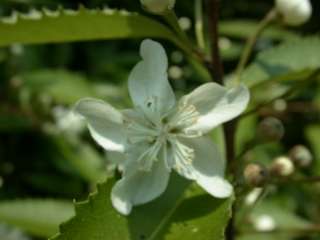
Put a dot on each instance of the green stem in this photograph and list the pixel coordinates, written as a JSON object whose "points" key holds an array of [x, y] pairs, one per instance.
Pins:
{"points": [[252, 40], [172, 20], [199, 24], [182, 39]]}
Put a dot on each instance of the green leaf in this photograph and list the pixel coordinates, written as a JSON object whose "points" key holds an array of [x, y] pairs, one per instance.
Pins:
{"points": [[243, 136], [38, 217], [244, 28], [48, 26], [62, 86], [182, 212], [284, 62], [312, 134]]}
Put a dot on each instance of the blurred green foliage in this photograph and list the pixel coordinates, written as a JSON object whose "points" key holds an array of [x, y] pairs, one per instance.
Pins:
{"points": [[46, 154]]}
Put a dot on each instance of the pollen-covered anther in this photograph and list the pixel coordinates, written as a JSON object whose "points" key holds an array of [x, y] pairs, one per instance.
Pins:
{"points": [[186, 116]]}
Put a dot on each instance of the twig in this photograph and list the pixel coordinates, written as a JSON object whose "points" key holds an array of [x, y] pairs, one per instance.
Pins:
{"points": [[216, 68], [252, 41], [199, 24], [290, 92]]}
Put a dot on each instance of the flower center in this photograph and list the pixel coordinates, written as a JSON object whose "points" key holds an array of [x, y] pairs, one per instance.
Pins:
{"points": [[163, 135]]}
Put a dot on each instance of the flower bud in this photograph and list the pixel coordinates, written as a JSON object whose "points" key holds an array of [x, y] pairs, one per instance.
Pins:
{"points": [[282, 167], [301, 156], [294, 12], [255, 174], [158, 6], [270, 129]]}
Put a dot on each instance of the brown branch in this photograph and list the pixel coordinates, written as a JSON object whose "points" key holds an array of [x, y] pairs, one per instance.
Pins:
{"points": [[216, 67]]}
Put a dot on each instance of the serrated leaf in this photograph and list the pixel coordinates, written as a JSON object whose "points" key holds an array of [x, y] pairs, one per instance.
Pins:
{"points": [[48, 26], [284, 62], [182, 212], [38, 217], [245, 28]]}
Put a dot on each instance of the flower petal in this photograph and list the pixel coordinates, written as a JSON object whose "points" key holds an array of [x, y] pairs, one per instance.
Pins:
{"points": [[216, 105], [148, 82], [139, 187], [208, 167], [104, 123]]}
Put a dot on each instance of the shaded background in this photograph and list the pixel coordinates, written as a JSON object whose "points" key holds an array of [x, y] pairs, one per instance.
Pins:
{"points": [[46, 153]]}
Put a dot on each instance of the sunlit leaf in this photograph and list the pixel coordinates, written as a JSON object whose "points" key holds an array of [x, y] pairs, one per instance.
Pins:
{"points": [[284, 62], [182, 212], [62, 25]]}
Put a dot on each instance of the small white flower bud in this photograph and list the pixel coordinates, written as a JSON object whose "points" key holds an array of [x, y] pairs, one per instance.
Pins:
{"points": [[282, 166], [255, 174], [270, 129], [301, 156], [158, 6], [294, 12], [264, 223]]}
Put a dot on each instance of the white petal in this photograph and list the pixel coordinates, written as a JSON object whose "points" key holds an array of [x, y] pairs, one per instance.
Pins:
{"points": [[208, 167], [115, 160], [148, 82], [139, 188], [216, 105], [104, 123]]}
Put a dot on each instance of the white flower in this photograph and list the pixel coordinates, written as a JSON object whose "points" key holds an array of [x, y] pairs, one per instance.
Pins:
{"points": [[67, 121], [294, 12], [160, 134], [158, 6]]}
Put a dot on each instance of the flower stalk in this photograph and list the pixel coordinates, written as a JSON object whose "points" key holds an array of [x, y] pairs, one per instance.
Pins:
{"points": [[251, 42]]}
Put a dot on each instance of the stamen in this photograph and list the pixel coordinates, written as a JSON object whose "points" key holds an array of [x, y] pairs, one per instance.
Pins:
{"points": [[138, 132], [149, 156], [169, 162], [185, 116], [190, 133], [183, 156]]}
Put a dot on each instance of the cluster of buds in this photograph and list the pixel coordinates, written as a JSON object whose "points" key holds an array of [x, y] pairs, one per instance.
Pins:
{"points": [[257, 175], [294, 12]]}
